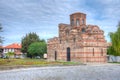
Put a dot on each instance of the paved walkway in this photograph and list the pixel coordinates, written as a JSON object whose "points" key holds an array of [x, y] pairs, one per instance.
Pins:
{"points": [[82, 72]]}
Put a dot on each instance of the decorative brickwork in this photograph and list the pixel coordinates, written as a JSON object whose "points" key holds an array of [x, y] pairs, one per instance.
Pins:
{"points": [[78, 42]]}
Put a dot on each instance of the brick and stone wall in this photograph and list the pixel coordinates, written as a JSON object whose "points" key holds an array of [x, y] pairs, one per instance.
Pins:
{"points": [[86, 43]]}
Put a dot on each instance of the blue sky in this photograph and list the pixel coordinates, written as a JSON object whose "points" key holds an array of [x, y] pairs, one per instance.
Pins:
{"points": [[19, 17]]}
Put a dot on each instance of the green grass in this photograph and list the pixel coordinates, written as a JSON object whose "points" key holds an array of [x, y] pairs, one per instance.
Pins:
{"points": [[9, 62], [18, 63], [70, 63], [115, 62]]}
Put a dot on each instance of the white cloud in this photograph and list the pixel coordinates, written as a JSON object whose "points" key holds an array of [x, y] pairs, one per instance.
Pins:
{"points": [[43, 16]]}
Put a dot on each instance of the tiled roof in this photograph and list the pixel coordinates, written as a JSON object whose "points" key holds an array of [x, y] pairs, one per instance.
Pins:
{"points": [[14, 45], [1, 47]]}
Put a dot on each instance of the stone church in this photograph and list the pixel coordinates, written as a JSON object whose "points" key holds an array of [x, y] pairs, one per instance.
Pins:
{"points": [[78, 42]]}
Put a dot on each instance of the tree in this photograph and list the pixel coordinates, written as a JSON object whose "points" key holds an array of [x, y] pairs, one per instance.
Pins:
{"points": [[115, 39], [1, 40], [28, 40], [9, 54], [37, 49]]}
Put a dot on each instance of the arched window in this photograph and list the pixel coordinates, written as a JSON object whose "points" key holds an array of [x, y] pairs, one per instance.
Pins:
{"points": [[74, 39], [55, 55], [72, 22], [101, 52], [77, 22], [60, 41], [67, 32], [66, 40], [83, 21], [93, 51], [83, 30]]}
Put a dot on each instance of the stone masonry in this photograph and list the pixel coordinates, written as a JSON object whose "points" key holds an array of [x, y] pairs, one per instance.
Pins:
{"points": [[78, 42]]}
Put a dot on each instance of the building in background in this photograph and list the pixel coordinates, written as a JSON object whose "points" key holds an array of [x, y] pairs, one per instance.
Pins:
{"points": [[78, 42], [15, 47]]}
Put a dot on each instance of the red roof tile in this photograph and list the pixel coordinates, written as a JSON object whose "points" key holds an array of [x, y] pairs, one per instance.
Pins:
{"points": [[1, 47], [14, 45]]}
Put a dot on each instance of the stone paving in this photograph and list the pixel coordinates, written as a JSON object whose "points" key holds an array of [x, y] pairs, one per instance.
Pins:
{"points": [[81, 72]]}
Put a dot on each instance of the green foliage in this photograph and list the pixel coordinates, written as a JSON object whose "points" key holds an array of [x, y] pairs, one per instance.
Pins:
{"points": [[27, 40], [37, 49], [9, 54], [115, 39]]}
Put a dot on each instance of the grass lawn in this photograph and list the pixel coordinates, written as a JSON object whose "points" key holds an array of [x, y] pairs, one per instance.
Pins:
{"points": [[115, 62], [23, 63]]}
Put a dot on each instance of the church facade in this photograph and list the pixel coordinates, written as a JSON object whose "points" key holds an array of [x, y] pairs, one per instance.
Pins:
{"points": [[78, 42]]}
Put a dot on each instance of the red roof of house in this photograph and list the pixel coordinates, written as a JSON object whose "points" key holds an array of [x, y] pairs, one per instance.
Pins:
{"points": [[1, 47], [14, 45]]}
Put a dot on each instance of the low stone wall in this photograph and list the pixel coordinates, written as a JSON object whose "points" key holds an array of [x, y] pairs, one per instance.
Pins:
{"points": [[112, 58]]}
